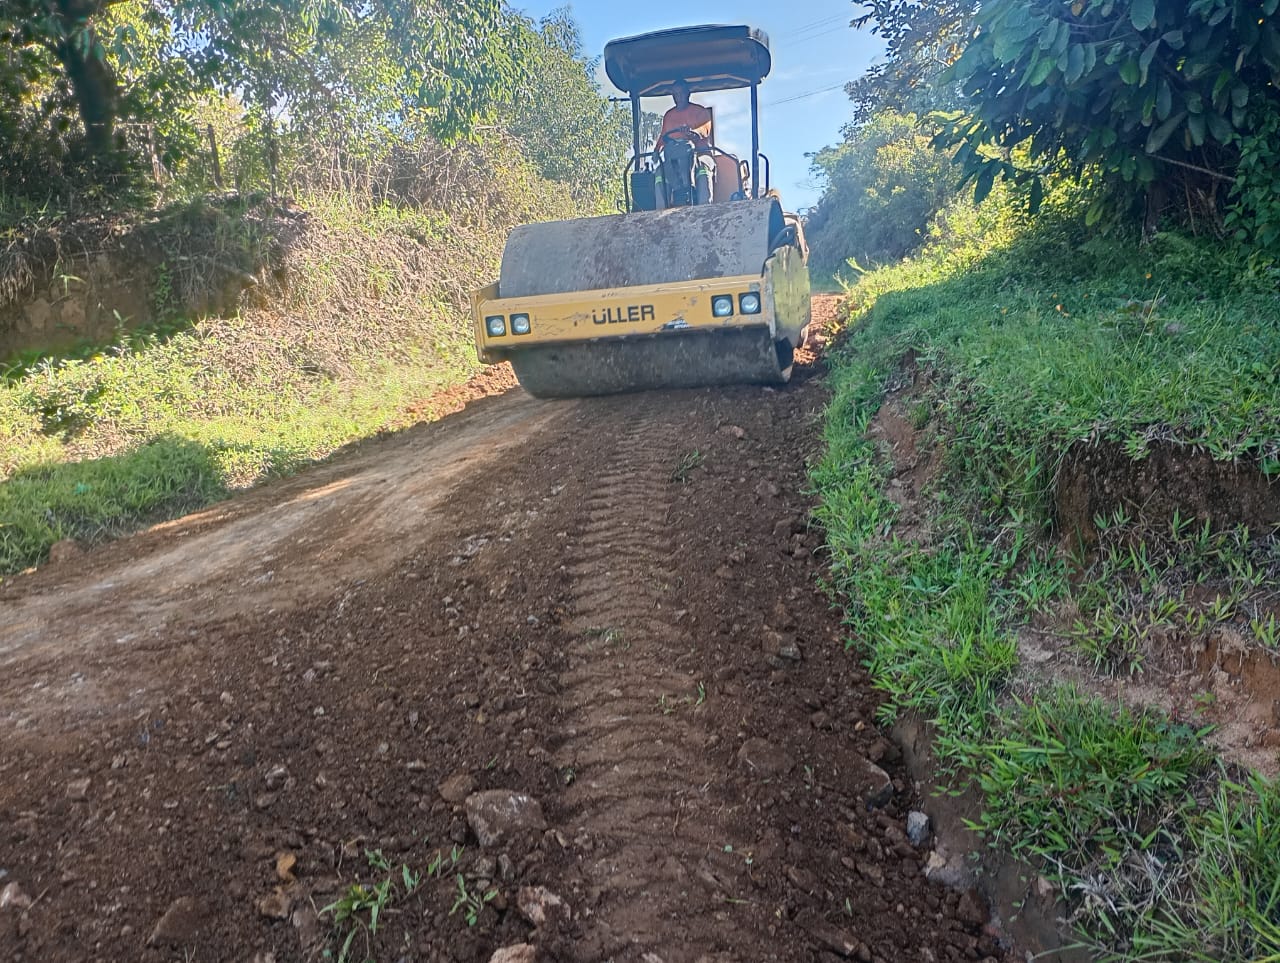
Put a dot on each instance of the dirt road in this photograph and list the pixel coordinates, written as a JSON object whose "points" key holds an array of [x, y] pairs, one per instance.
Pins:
{"points": [[210, 731]]}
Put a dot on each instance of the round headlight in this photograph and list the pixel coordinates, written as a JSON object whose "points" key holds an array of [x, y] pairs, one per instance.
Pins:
{"points": [[496, 325], [750, 303], [722, 306], [519, 324]]}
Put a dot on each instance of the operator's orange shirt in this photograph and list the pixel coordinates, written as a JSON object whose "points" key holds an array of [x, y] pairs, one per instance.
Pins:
{"points": [[696, 117]]}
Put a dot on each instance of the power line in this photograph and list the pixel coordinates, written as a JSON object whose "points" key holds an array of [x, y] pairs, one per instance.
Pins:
{"points": [[806, 94], [789, 41], [804, 28], [801, 41]]}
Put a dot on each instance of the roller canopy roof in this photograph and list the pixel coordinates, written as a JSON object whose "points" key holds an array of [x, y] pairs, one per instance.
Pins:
{"points": [[709, 57]]}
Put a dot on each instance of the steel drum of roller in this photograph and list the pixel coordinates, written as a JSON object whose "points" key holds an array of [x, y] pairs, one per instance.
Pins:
{"points": [[645, 248]]}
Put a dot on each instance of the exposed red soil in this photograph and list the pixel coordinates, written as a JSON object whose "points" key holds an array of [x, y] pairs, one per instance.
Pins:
{"points": [[611, 605]]}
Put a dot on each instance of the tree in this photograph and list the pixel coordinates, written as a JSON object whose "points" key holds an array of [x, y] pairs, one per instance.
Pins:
{"points": [[447, 64], [62, 35], [570, 131], [922, 38], [882, 186], [1164, 98], [334, 63]]}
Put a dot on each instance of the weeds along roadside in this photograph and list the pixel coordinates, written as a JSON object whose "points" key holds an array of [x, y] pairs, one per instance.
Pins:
{"points": [[363, 317], [1007, 346]]}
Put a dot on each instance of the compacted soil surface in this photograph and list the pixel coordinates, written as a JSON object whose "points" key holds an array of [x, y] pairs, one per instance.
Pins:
{"points": [[546, 680]]}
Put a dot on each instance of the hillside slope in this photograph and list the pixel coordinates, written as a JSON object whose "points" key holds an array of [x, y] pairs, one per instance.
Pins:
{"points": [[1052, 493]]}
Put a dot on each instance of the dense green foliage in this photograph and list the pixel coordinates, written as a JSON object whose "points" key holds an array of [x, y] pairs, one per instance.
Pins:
{"points": [[883, 185], [105, 96], [921, 38], [1002, 347], [1157, 95], [1168, 110], [563, 125]]}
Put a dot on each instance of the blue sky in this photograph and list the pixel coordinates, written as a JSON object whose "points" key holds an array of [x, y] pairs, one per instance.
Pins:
{"points": [[802, 103]]}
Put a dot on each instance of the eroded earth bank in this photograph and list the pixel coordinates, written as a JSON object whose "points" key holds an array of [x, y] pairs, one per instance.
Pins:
{"points": [[209, 732]]}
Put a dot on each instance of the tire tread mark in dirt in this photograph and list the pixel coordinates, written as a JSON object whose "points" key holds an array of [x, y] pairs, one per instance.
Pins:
{"points": [[631, 729]]}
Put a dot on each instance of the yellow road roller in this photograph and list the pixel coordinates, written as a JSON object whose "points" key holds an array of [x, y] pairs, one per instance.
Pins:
{"points": [[695, 284]]}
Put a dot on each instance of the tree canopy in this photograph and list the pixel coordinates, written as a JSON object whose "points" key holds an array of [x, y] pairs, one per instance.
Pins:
{"points": [[1165, 97], [1168, 108], [922, 38], [566, 128], [96, 90], [882, 185]]}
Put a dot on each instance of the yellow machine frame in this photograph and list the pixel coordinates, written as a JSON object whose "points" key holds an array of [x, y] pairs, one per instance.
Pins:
{"points": [[612, 312]]}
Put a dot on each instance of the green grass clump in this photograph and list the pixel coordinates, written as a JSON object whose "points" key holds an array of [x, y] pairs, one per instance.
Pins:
{"points": [[94, 449], [1058, 338], [44, 504], [1229, 908], [104, 438], [1019, 342]]}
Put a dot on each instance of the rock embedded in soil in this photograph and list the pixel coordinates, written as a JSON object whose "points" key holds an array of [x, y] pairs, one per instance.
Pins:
{"points": [[12, 897], [78, 789], [779, 643], [497, 814], [877, 787], [519, 953], [276, 906], [802, 879], [456, 788], [949, 872], [537, 904], [285, 863], [180, 923], [972, 908], [764, 758], [836, 940], [917, 828]]}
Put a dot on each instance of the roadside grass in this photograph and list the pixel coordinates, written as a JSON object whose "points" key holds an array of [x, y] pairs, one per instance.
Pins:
{"points": [[357, 315], [369, 320], [1018, 343], [93, 449]]}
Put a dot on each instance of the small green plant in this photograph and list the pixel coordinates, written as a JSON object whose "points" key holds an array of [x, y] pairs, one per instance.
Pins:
{"points": [[603, 636], [1266, 630], [360, 910], [436, 868], [66, 281], [685, 467], [472, 903]]}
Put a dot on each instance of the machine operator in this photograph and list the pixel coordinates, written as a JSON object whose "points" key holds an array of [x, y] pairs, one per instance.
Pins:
{"points": [[688, 124]]}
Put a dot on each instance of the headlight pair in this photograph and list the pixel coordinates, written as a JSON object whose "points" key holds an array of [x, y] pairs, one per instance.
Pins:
{"points": [[722, 304], [496, 325]]}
